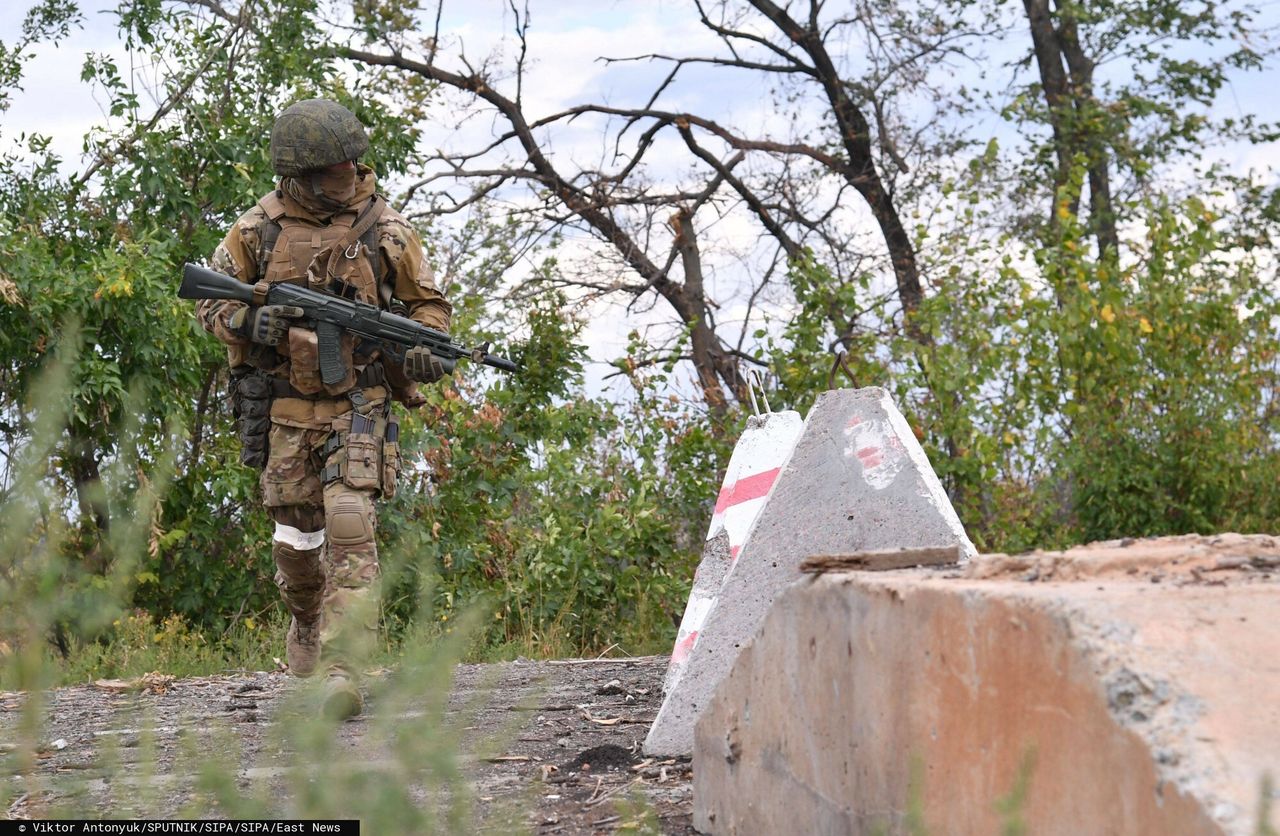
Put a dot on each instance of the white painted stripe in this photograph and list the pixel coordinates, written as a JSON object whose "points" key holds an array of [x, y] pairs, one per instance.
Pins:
{"points": [[297, 538], [764, 445], [695, 613], [738, 520]]}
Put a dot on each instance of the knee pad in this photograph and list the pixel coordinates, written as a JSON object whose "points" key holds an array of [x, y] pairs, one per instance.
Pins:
{"points": [[350, 518]]}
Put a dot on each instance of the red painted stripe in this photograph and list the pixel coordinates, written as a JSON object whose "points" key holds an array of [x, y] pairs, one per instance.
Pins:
{"points": [[683, 648], [733, 552], [746, 489]]}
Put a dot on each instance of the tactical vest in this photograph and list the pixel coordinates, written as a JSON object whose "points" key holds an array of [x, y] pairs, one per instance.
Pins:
{"points": [[340, 257], [303, 241]]}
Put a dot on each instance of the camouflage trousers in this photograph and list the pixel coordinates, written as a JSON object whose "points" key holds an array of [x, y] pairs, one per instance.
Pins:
{"points": [[324, 547]]}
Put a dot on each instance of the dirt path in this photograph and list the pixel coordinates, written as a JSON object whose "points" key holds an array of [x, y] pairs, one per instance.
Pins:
{"points": [[541, 747]]}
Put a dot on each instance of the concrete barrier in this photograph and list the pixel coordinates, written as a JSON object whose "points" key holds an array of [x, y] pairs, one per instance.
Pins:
{"points": [[856, 480], [757, 458], [1124, 688]]}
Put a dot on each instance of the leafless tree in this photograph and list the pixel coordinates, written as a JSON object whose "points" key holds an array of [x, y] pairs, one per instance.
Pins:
{"points": [[795, 184]]}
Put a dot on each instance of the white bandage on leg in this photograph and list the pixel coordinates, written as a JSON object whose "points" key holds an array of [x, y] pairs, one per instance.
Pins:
{"points": [[297, 538]]}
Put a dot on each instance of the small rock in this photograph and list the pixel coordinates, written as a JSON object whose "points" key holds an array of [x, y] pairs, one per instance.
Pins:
{"points": [[563, 743], [629, 700], [613, 686]]}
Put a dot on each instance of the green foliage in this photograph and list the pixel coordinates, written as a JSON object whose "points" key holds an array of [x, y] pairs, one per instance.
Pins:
{"points": [[1013, 807], [42, 592], [1069, 399], [136, 644], [417, 788], [1169, 366], [49, 20], [567, 516], [1060, 396], [1265, 794], [1155, 68], [102, 248], [553, 507]]}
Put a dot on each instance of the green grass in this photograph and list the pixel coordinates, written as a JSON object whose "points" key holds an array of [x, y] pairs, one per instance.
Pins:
{"points": [[134, 645]]}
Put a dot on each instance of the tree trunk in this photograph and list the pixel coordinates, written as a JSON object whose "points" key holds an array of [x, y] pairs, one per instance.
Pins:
{"points": [[1066, 78]]}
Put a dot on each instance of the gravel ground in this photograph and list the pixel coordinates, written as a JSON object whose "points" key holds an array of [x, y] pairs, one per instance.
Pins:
{"points": [[539, 747]]}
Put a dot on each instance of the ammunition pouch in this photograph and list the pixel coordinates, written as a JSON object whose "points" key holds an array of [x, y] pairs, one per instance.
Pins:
{"points": [[366, 457], [251, 405]]}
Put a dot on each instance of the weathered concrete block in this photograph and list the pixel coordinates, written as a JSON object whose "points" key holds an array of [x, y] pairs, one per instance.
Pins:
{"points": [[1130, 687], [857, 480]]}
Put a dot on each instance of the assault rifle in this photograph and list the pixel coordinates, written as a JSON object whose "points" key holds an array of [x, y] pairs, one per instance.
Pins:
{"points": [[330, 315]]}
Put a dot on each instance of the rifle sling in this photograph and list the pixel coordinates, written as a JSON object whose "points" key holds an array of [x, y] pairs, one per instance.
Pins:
{"points": [[363, 222]]}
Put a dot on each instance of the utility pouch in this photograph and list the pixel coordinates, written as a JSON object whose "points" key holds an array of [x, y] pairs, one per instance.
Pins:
{"points": [[391, 463], [362, 454], [251, 405], [304, 361]]}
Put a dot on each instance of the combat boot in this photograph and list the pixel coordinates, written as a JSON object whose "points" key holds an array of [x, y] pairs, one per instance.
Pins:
{"points": [[302, 647], [341, 698]]}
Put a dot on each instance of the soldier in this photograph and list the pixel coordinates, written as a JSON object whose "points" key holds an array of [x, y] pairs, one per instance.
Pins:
{"points": [[327, 451]]}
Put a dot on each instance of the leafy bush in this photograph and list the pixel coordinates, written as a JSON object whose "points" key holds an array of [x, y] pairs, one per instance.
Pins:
{"points": [[1068, 398], [568, 516]]}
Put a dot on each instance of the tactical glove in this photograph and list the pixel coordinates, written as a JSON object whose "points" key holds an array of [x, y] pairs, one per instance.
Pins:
{"points": [[423, 366], [267, 324]]}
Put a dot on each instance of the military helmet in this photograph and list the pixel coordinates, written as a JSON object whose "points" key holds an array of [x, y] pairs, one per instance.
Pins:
{"points": [[313, 134]]}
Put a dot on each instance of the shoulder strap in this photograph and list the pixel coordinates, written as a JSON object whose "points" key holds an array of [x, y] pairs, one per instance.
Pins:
{"points": [[273, 205], [370, 241], [364, 222]]}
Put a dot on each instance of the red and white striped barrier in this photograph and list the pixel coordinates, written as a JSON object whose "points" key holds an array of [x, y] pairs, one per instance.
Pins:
{"points": [[754, 466], [853, 478]]}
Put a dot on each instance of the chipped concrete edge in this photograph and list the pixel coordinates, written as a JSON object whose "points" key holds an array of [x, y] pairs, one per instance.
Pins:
{"points": [[1159, 713], [932, 485]]}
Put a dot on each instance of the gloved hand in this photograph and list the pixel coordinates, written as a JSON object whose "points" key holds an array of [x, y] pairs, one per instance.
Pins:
{"points": [[423, 366], [267, 324]]}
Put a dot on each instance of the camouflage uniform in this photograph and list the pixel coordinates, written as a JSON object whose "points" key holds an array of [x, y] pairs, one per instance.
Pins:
{"points": [[323, 546]]}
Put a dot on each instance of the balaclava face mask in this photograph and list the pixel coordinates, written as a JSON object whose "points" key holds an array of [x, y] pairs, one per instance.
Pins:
{"points": [[323, 193], [335, 189]]}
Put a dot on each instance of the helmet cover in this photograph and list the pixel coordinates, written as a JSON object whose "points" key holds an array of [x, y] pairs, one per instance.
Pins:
{"points": [[314, 134]]}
